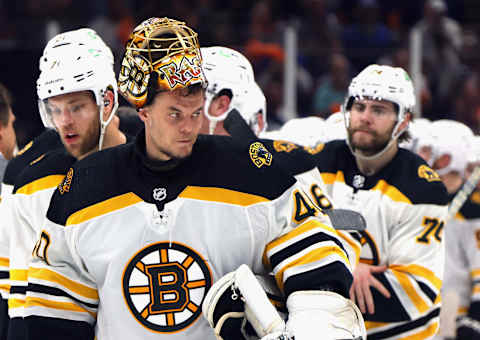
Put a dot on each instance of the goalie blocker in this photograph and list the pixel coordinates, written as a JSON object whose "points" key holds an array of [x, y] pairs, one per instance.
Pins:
{"points": [[237, 308]]}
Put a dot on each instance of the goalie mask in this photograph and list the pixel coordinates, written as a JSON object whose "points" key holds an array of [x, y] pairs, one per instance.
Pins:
{"points": [[379, 82], [230, 72], [160, 50], [77, 61]]}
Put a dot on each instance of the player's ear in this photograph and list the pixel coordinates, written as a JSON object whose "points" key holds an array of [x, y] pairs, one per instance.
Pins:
{"points": [[143, 114]]}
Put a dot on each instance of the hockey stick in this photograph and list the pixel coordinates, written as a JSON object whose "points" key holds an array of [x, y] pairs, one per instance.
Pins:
{"points": [[463, 194]]}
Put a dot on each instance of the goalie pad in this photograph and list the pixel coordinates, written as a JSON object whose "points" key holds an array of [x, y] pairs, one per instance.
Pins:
{"points": [[311, 313]]}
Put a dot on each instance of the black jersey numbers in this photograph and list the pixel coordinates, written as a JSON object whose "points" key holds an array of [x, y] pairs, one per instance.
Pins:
{"points": [[304, 207], [41, 247], [433, 229], [321, 200]]}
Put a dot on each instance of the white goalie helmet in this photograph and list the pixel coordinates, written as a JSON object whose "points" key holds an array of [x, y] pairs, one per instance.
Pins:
{"points": [[382, 82], [226, 69], [76, 61]]}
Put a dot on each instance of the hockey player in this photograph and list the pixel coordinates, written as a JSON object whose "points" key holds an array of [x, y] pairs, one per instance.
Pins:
{"points": [[231, 85], [77, 97], [397, 283], [460, 291], [136, 236]]}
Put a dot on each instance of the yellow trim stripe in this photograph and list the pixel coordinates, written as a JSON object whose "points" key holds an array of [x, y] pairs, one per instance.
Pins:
{"points": [[19, 274], [420, 271], [382, 186], [407, 286], [301, 229], [392, 192], [221, 195], [34, 301], [424, 333], [5, 287], [4, 262], [15, 303], [49, 275], [102, 208], [475, 273], [312, 256], [41, 184], [476, 290], [462, 310], [371, 324], [459, 216], [354, 245], [330, 178]]}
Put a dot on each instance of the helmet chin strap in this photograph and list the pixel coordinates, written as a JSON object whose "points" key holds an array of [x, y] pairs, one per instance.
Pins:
{"points": [[393, 139], [104, 123]]}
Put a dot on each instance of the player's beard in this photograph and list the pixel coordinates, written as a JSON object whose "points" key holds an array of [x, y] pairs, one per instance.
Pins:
{"points": [[89, 142], [377, 143]]}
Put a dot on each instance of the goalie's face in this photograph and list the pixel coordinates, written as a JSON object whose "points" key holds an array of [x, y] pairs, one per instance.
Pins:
{"points": [[75, 116], [172, 123], [371, 125]]}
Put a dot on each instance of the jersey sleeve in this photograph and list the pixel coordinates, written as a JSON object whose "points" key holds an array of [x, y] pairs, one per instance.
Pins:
{"points": [[304, 251], [61, 295], [415, 264]]}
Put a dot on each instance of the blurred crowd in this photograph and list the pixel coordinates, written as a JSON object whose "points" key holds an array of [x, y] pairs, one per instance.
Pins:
{"points": [[336, 39]]}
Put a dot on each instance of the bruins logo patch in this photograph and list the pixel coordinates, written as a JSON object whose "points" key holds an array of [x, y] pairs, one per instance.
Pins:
{"points": [[284, 146], [428, 173], [314, 150], [164, 286], [67, 182], [260, 155]]}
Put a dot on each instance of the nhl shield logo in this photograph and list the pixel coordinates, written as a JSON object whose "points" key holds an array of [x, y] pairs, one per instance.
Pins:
{"points": [[260, 155], [159, 194]]}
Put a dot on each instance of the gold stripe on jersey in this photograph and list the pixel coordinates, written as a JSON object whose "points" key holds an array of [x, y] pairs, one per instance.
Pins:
{"points": [[301, 229], [4, 262], [102, 208], [18, 274], [409, 289], [459, 216], [373, 324], [420, 271], [475, 273], [310, 257], [476, 289], [330, 178], [426, 333], [41, 184], [390, 191], [5, 288], [221, 195], [39, 302], [15, 303], [354, 245], [382, 186], [51, 276]]}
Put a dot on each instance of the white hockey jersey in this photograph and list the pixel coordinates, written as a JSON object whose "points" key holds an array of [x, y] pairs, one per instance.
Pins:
{"points": [[130, 246], [462, 265], [404, 206], [27, 210]]}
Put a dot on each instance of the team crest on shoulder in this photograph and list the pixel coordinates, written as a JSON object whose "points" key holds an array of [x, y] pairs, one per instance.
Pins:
{"points": [[314, 150], [66, 183], [260, 155], [428, 173], [284, 146], [164, 285]]}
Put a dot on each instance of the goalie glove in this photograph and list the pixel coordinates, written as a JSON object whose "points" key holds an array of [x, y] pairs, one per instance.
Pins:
{"points": [[311, 313], [237, 307]]}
